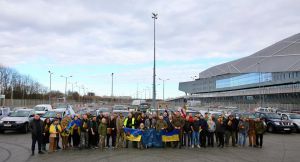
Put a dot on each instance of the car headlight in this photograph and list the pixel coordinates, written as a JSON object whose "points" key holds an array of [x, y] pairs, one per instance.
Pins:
{"points": [[276, 123], [1, 121], [19, 122]]}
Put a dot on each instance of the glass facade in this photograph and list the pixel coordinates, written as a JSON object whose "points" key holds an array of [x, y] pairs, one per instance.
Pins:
{"points": [[245, 79]]}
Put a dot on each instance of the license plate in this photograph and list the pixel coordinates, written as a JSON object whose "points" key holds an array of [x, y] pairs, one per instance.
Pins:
{"points": [[286, 129], [7, 125]]}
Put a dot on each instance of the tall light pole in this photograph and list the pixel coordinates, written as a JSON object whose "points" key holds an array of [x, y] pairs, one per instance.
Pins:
{"points": [[112, 84], [66, 85], [50, 77], [163, 87], [154, 64]]}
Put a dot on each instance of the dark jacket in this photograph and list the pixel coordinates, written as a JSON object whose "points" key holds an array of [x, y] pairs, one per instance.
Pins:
{"points": [[187, 127], [85, 125], [220, 128], [37, 128], [203, 125], [196, 125], [112, 124], [231, 125]]}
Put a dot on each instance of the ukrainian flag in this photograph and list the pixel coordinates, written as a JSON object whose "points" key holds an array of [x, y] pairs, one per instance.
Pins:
{"points": [[133, 134], [170, 136]]}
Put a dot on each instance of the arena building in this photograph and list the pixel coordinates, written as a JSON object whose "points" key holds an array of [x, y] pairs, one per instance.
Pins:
{"points": [[267, 78]]}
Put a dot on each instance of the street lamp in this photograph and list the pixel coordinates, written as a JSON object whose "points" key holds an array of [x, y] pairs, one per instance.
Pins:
{"points": [[163, 87], [66, 77], [50, 76], [154, 65]]}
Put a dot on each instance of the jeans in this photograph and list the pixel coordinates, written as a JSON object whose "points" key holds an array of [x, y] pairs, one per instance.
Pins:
{"points": [[242, 138], [187, 137], [195, 139], [84, 139]]}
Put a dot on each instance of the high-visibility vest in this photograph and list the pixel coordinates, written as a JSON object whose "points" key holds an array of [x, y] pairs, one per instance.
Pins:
{"points": [[132, 122]]}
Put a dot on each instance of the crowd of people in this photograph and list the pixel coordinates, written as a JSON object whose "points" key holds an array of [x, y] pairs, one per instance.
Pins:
{"points": [[107, 130]]}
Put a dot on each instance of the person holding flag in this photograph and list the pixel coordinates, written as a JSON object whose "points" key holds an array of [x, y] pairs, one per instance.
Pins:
{"points": [[178, 123], [129, 122]]}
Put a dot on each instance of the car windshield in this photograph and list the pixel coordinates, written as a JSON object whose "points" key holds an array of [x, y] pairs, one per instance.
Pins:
{"points": [[38, 108], [295, 116], [273, 116], [19, 114], [61, 106], [51, 114], [120, 108]]}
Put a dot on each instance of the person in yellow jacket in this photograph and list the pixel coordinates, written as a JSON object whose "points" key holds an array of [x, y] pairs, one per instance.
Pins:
{"points": [[55, 130], [129, 122]]}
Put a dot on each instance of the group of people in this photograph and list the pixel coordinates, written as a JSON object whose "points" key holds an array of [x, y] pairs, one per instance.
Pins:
{"points": [[107, 130]]}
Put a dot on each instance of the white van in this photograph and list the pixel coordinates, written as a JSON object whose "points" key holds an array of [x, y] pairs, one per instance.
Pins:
{"points": [[42, 109]]}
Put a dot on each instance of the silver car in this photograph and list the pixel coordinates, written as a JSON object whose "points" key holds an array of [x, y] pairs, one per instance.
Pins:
{"points": [[17, 120]]}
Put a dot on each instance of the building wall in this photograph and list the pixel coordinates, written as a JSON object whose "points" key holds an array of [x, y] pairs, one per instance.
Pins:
{"points": [[238, 81]]}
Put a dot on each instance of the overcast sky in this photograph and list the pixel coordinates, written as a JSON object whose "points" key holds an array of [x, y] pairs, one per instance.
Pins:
{"points": [[90, 39]]}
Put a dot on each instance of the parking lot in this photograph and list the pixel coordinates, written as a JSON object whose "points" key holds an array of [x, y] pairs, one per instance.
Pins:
{"points": [[15, 147]]}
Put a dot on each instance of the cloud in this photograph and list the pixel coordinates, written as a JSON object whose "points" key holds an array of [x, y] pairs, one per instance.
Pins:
{"points": [[81, 33]]}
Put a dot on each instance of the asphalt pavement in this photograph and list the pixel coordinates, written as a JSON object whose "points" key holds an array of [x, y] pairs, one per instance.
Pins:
{"points": [[15, 147]]}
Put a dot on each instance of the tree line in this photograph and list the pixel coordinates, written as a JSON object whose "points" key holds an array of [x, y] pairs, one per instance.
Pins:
{"points": [[19, 86]]}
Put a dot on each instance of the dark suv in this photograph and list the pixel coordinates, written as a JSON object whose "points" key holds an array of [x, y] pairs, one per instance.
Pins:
{"points": [[275, 123]]}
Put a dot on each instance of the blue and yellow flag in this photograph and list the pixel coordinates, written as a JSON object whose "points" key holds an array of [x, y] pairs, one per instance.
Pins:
{"points": [[133, 134], [170, 136]]}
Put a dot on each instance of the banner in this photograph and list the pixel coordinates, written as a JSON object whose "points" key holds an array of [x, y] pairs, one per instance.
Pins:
{"points": [[151, 138], [133, 134], [170, 136]]}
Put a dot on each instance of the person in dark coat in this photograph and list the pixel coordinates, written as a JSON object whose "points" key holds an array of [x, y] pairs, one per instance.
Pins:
{"points": [[111, 131], [203, 131], [231, 128], [46, 134], [220, 131], [37, 130]]}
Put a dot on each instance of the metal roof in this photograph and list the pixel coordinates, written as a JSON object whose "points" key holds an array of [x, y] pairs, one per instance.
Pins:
{"points": [[280, 57]]}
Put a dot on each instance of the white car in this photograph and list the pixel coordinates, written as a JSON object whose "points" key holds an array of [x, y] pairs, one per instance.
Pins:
{"points": [[120, 107], [295, 118], [17, 120], [62, 111], [42, 109]]}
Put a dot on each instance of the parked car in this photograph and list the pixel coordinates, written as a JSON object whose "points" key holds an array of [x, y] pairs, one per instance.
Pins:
{"points": [[124, 112], [100, 110], [62, 111], [4, 111], [17, 120], [42, 109], [120, 107], [295, 118], [143, 107], [275, 123]]}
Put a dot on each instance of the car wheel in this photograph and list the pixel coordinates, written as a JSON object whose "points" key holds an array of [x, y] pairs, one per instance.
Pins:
{"points": [[1, 131], [270, 129]]}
